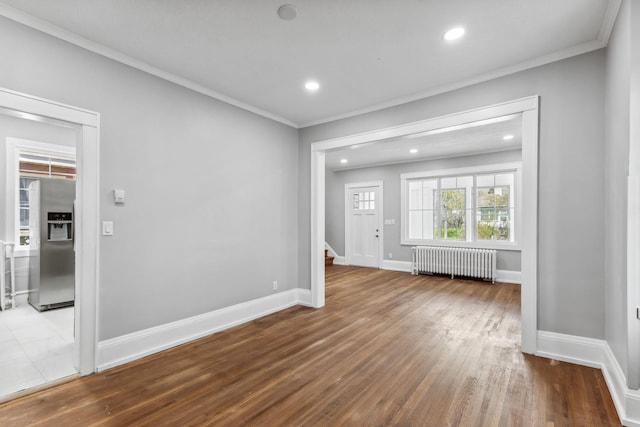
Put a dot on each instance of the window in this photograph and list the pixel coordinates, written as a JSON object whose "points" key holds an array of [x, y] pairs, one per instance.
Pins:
{"points": [[26, 162], [364, 200], [31, 167], [468, 207]]}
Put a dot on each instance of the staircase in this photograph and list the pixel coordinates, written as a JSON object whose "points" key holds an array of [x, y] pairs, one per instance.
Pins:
{"points": [[328, 260]]}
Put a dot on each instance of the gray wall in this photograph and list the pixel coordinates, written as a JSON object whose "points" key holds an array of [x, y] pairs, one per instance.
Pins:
{"points": [[571, 179], [390, 175], [35, 131], [622, 133], [211, 189]]}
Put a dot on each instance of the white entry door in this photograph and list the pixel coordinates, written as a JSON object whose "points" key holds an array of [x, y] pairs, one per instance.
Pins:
{"points": [[363, 231]]}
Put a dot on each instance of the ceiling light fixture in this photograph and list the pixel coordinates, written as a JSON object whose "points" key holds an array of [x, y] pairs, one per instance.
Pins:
{"points": [[287, 12], [454, 34], [507, 137], [413, 150], [343, 161], [312, 86]]}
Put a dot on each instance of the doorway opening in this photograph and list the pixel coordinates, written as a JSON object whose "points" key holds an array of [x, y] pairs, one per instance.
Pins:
{"points": [[86, 127], [37, 319], [526, 110]]}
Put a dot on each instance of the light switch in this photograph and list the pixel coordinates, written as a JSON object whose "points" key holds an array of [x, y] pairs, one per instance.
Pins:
{"points": [[118, 196], [107, 228]]}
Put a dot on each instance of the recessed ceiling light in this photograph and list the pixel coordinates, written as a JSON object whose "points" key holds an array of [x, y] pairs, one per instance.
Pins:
{"points": [[454, 34], [413, 150], [287, 12], [312, 86], [343, 161], [507, 137]]}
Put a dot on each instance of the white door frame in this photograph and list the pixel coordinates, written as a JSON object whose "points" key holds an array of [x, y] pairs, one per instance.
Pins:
{"points": [[528, 107], [347, 218], [87, 211]]}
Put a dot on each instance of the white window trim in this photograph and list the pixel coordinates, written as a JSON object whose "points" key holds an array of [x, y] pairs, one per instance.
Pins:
{"points": [[14, 147], [471, 170]]}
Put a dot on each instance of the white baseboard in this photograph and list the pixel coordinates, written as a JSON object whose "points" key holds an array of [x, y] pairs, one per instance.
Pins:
{"points": [[126, 348], [508, 276], [390, 264], [339, 260], [303, 297], [595, 353]]}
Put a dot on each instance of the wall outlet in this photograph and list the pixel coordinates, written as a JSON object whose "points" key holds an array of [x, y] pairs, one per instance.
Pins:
{"points": [[275, 285], [390, 255]]}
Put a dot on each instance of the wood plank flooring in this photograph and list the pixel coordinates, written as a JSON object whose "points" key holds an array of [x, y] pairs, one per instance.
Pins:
{"points": [[388, 349]]}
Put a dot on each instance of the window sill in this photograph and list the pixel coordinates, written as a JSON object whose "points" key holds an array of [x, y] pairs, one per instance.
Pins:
{"points": [[506, 246]]}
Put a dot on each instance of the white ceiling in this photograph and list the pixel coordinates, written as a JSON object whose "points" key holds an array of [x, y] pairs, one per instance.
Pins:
{"points": [[366, 54], [473, 138]]}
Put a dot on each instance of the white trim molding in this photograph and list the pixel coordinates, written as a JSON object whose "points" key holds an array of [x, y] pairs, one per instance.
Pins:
{"points": [[528, 108], [509, 276], [339, 260], [87, 270], [394, 265], [596, 354], [117, 351]]}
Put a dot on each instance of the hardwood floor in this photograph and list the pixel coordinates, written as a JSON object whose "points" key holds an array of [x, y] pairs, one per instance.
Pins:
{"points": [[387, 349]]}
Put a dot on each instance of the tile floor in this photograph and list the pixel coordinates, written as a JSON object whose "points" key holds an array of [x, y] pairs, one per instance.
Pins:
{"points": [[35, 348]]}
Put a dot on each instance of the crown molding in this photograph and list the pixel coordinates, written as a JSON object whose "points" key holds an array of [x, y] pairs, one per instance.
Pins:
{"points": [[501, 72], [608, 22], [70, 37], [55, 31]]}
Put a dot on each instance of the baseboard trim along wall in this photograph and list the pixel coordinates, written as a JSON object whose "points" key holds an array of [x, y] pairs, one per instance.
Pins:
{"points": [[504, 276], [389, 264], [594, 353], [339, 260], [126, 348]]}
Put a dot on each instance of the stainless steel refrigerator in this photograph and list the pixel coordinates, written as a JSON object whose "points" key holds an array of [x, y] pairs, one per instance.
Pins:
{"points": [[52, 256]]}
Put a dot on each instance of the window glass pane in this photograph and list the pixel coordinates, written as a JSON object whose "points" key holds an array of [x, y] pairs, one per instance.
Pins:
{"points": [[429, 188], [428, 224], [24, 238], [415, 225], [452, 226], [466, 208], [24, 217], [361, 205], [415, 195], [366, 205], [494, 216], [372, 195], [485, 180], [464, 181], [24, 198], [449, 182], [29, 167], [452, 214], [504, 179], [372, 204], [485, 197]]}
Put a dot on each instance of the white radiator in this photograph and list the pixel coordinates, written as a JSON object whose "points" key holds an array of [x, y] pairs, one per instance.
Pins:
{"points": [[466, 262]]}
